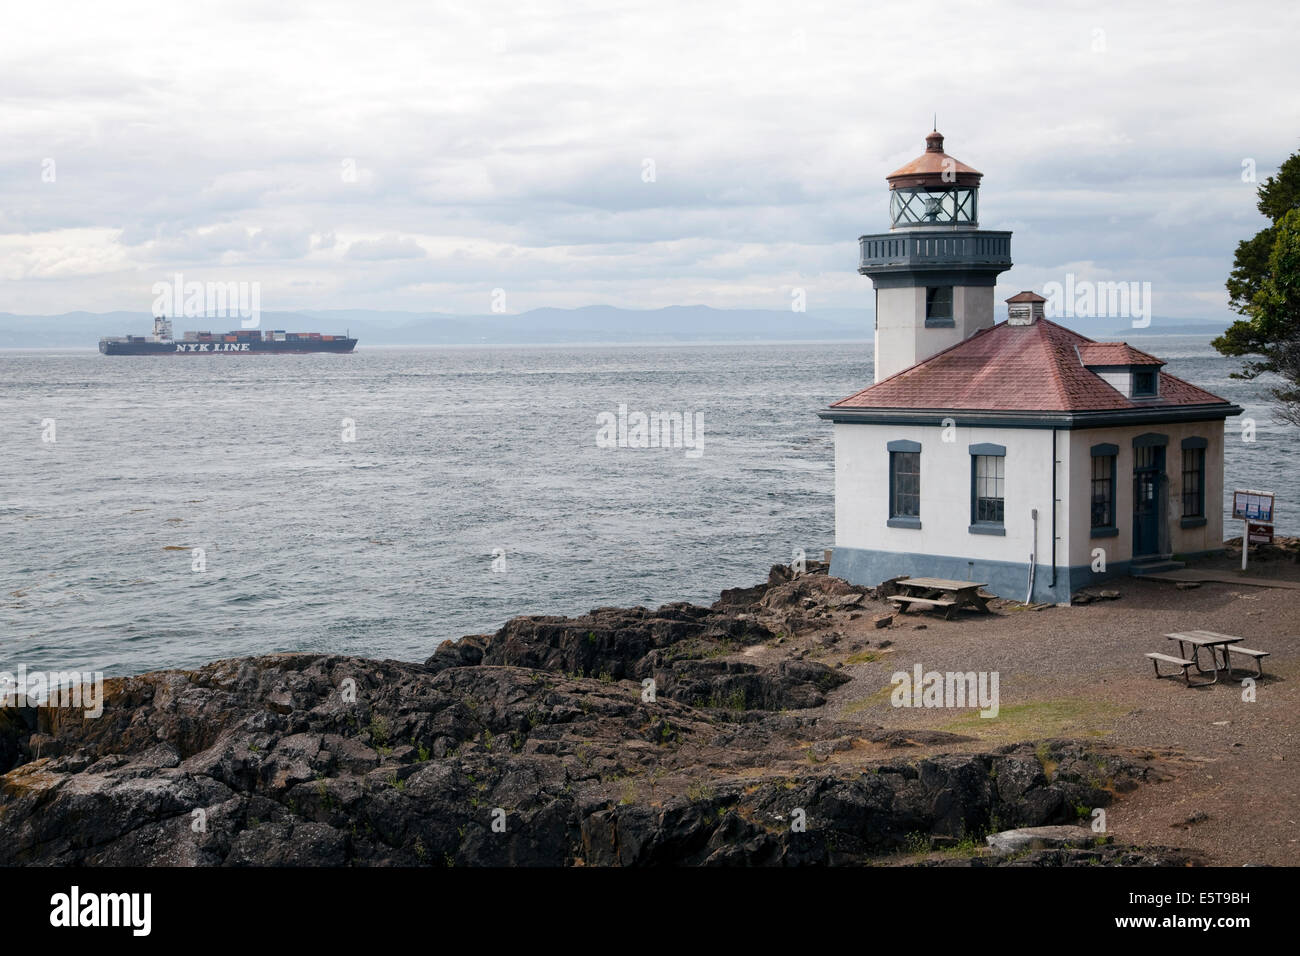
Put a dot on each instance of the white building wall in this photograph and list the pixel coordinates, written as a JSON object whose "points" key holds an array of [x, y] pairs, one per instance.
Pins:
{"points": [[944, 545], [862, 492], [1119, 379], [1120, 547]]}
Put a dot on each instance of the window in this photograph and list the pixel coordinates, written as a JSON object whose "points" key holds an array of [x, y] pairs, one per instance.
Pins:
{"points": [[1144, 382], [938, 305], [906, 467], [989, 502], [904, 484], [1193, 479], [1102, 497], [987, 481], [1103, 491]]}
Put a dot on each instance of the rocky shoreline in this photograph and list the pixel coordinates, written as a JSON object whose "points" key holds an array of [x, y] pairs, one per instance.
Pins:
{"points": [[683, 735]]}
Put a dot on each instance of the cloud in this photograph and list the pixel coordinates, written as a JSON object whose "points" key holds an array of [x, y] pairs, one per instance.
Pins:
{"points": [[458, 147], [386, 247]]}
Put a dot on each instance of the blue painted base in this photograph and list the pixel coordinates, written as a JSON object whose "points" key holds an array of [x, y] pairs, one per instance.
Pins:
{"points": [[1006, 579]]}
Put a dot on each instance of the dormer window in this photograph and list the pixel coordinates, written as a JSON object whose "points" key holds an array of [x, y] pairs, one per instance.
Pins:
{"points": [[1145, 382], [1131, 372]]}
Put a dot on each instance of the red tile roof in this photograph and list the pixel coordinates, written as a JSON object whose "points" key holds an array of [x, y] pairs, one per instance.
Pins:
{"points": [[1016, 368], [1115, 353]]}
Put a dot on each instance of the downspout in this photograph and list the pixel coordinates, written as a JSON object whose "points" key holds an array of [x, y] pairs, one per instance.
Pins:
{"points": [[1054, 512], [1033, 556]]}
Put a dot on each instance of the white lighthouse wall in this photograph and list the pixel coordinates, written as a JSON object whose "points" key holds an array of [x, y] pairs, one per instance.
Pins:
{"points": [[902, 338], [868, 551], [973, 308]]}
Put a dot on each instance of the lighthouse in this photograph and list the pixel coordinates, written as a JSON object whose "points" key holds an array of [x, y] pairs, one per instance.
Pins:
{"points": [[934, 271], [1020, 456]]}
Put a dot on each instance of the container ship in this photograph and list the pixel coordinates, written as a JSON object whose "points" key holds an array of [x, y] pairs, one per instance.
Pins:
{"points": [[241, 342]]}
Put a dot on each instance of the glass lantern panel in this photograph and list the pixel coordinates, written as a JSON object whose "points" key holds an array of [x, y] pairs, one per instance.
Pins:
{"points": [[921, 207]]}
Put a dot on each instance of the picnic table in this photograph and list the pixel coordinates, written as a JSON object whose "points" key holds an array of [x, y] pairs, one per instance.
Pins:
{"points": [[940, 592], [1212, 640]]}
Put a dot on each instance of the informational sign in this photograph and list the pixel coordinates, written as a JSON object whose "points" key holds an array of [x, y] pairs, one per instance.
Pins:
{"points": [[1260, 533], [1253, 506]]}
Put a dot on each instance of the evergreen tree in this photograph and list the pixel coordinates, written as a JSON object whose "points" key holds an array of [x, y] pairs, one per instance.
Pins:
{"points": [[1263, 283]]}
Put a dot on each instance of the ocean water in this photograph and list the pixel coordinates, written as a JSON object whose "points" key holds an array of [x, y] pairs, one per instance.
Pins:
{"points": [[473, 491]]}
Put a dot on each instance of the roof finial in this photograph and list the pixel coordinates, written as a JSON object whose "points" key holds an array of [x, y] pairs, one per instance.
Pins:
{"points": [[935, 127]]}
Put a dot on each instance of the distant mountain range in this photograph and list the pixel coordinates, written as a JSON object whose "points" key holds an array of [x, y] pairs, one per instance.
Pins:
{"points": [[596, 324]]}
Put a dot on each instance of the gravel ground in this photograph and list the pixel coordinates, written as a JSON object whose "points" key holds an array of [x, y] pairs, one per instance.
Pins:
{"points": [[1233, 764]]}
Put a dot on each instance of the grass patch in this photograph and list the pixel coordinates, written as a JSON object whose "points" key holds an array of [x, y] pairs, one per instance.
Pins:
{"points": [[879, 697], [1063, 717], [862, 657]]}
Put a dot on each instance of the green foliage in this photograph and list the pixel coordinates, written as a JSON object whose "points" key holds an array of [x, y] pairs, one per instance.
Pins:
{"points": [[916, 843], [378, 730], [1264, 286], [1248, 269], [733, 701], [1281, 193], [699, 791]]}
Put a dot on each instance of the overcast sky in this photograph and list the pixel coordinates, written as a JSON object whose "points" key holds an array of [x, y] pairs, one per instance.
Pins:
{"points": [[419, 155]]}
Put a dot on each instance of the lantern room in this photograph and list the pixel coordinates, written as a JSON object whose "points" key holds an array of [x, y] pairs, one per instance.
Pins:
{"points": [[934, 190]]}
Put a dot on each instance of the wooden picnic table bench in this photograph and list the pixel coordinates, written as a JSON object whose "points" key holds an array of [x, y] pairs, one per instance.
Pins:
{"points": [[1256, 656], [940, 593], [1211, 640], [1180, 662]]}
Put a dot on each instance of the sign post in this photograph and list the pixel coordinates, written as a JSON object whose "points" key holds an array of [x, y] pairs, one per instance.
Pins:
{"points": [[1253, 506]]}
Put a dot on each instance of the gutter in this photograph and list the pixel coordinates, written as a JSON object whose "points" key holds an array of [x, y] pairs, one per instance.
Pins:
{"points": [[1067, 420]]}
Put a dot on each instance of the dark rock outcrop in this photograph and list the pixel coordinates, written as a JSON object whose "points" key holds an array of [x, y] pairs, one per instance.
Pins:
{"points": [[538, 745], [678, 647], [269, 761]]}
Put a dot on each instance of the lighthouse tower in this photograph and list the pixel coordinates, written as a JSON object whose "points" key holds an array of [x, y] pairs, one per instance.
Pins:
{"points": [[934, 271]]}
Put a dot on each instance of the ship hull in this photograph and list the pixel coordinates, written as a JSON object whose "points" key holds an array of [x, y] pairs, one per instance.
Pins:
{"points": [[300, 347]]}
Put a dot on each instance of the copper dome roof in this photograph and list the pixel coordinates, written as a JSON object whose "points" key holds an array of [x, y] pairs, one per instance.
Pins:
{"points": [[928, 168]]}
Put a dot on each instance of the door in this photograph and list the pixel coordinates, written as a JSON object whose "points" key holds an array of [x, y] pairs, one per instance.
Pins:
{"points": [[1148, 474]]}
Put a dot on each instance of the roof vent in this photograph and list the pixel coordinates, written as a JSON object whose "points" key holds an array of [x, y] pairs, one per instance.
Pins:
{"points": [[1024, 308]]}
